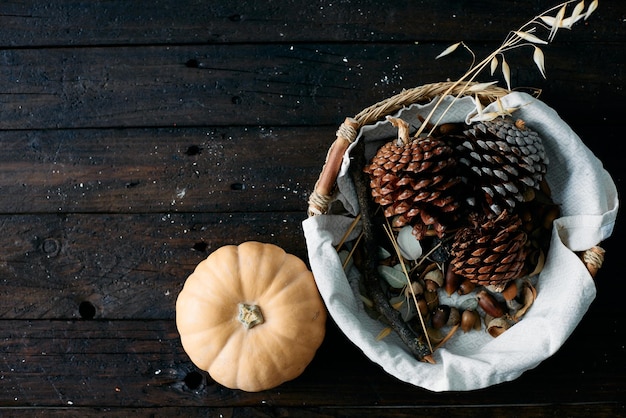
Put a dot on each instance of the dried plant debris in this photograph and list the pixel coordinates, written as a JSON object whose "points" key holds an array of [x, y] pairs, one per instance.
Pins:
{"points": [[534, 34]]}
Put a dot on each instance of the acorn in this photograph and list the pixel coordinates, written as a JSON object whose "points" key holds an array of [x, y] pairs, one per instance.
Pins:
{"points": [[454, 318], [470, 320], [422, 306], [452, 281], [432, 300], [510, 291], [466, 287], [440, 316], [433, 280], [489, 304]]}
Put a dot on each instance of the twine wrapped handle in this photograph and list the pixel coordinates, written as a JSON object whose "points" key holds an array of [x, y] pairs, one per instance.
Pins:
{"points": [[325, 186], [593, 259]]}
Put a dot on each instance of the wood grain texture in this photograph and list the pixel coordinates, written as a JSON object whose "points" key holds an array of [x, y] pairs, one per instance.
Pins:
{"points": [[125, 266], [101, 363], [137, 137], [213, 169], [79, 23], [268, 84]]}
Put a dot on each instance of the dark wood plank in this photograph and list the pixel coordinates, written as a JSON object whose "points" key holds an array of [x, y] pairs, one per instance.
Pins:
{"points": [[141, 364], [77, 23], [597, 410], [120, 266], [238, 169], [267, 84]]}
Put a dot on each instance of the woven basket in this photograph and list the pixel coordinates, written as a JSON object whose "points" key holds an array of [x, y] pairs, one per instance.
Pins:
{"points": [[574, 257]]}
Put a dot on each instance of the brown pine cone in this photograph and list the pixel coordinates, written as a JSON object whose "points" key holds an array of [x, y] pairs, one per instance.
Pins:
{"points": [[492, 252], [505, 159], [415, 181]]}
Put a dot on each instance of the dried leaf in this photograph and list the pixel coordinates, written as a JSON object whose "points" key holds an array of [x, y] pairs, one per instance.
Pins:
{"points": [[481, 86], [479, 106], [504, 111], [506, 72], [398, 304], [528, 295], [494, 65], [558, 21], [497, 326], [592, 7], [485, 117], [448, 50], [576, 14], [410, 247], [541, 262], [530, 37], [382, 334], [548, 20], [366, 301], [568, 22], [538, 57], [395, 278]]}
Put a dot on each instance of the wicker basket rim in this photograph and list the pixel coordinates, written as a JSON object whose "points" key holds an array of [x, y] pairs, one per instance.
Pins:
{"points": [[422, 94]]}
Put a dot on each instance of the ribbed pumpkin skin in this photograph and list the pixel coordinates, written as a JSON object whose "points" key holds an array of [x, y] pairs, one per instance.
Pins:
{"points": [[268, 354]]}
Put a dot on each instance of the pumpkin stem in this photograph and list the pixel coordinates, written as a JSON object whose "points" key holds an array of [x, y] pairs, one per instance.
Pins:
{"points": [[250, 315]]}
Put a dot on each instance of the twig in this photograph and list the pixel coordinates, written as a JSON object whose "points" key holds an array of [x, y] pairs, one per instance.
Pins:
{"points": [[371, 281]]}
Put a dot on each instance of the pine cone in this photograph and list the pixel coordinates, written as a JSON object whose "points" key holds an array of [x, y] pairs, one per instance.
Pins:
{"points": [[415, 181], [493, 251], [506, 160]]}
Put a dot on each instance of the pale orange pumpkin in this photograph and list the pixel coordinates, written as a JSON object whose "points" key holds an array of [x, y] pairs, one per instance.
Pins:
{"points": [[251, 316]]}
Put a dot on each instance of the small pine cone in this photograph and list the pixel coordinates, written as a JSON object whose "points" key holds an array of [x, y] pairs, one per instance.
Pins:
{"points": [[490, 252], [416, 184], [506, 160]]}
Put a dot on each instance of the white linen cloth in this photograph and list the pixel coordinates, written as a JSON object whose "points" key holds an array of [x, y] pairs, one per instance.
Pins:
{"points": [[588, 199]]}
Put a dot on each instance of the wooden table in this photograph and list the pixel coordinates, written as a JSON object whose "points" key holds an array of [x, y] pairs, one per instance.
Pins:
{"points": [[138, 137]]}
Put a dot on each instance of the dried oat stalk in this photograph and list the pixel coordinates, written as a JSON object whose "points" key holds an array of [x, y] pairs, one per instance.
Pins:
{"points": [[534, 34]]}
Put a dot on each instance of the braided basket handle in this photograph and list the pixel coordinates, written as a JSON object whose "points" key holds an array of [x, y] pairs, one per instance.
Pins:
{"points": [[324, 189]]}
